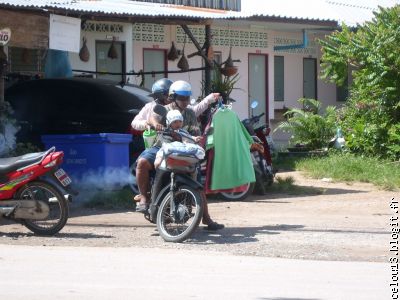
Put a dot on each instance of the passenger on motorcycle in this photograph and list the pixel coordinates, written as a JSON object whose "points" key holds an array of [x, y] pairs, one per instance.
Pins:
{"points": [[174, 128]]}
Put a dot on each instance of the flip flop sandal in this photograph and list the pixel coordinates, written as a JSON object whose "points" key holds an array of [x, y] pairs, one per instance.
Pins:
{"points": [[142, 208], [214, 226]]}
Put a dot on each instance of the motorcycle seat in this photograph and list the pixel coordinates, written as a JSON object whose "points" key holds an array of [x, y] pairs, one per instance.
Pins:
{"points": [[10, 164]]}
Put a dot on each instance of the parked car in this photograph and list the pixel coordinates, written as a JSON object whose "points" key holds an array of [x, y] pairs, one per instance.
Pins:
{"points": [[73, 106]]}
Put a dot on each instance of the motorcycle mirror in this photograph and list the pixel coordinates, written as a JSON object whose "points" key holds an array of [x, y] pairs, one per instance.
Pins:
{"points": [[254, 104], [162, 112]]}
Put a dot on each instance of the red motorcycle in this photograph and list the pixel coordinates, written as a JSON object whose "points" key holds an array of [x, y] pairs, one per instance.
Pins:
{"points": [[261, 153], [32, 191]]}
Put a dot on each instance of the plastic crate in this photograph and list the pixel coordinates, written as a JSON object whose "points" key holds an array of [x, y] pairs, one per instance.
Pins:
{"points": [[94, 154]]}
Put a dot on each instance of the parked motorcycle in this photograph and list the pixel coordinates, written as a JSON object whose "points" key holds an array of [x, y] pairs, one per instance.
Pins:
{"points": [[261, 151], [176, 197], [261, 158], [31, 191]]}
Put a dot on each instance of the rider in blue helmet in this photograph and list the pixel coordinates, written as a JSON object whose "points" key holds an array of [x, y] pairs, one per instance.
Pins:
{"points": [[160, 89], [159, 92]]}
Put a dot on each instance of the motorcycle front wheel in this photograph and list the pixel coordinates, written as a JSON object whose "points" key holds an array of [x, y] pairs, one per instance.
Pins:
{"points": [[178, 224], [240, 195], [58, 205]]}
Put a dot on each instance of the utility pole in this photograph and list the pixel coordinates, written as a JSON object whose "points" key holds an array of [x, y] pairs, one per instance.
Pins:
{"points": [[3, 65], [207, 75]]}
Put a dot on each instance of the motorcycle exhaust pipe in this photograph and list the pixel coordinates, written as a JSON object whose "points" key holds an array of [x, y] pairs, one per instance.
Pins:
{"points": [[6, 211], [68, 197]]}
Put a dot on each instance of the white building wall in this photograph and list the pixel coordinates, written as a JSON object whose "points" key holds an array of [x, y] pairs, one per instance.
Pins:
{"points": [[293, 63], [93, 36]]}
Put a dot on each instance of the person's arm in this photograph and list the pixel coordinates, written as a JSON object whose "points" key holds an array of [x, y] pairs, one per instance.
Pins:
{"points": [[193, 126], [204, 104], [140, 121]]}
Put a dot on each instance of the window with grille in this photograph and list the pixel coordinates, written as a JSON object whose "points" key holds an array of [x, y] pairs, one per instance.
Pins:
{"points": [[26, 61]]}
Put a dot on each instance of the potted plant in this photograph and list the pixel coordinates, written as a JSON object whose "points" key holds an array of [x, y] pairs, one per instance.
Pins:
{"points": [[224, 84]]}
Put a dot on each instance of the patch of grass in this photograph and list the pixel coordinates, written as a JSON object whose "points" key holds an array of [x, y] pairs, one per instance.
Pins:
{"points": [[285, 163], [349, 167], [120, 199], [287, 185]]}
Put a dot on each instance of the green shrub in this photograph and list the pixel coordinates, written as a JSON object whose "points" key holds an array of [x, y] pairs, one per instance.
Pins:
{"points": [[307, 126]]}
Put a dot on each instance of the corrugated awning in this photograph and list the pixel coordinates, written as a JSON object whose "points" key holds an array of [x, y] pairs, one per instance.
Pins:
{"points": [[125, 8]]}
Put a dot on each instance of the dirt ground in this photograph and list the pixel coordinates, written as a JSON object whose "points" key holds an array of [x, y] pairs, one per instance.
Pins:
{"points": [[348, 222]]}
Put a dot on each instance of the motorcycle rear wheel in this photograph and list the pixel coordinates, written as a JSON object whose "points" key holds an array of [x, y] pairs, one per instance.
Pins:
{"points": [[58, 205], [180, 225], [238, 196]]}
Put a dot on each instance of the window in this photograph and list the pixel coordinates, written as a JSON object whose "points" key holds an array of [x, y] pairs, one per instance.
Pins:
{"points": [[218, 60], [342, 92], [279, 75], [26, 61], [154, 60]]}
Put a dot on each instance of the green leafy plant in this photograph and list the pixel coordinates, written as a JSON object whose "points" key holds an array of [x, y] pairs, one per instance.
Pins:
{"points": [[224, 84], [307, 126]]}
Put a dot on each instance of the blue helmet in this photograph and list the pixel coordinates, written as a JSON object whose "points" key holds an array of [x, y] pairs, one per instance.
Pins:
{"points": [[181, 88], [160, 87]]}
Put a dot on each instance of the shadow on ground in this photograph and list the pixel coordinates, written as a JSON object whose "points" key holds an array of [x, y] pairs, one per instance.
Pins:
{"points": [[236, 235]]}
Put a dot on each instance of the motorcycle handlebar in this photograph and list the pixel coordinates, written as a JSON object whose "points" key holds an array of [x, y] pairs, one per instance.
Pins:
{"points": [[255, 119]]}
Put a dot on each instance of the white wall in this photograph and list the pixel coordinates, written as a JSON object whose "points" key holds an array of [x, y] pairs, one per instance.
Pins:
{"points": [[293, 65], [92, 37]]}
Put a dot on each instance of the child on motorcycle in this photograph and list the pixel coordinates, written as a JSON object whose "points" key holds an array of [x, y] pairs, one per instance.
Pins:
{"points": [[175, 132]]}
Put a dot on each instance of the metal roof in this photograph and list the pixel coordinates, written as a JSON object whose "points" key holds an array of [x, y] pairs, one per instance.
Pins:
{"points": [[350, 12], [125, 8]]}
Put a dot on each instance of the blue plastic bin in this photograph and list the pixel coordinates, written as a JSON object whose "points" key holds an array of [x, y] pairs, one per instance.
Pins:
{"points": [[94, 154]]}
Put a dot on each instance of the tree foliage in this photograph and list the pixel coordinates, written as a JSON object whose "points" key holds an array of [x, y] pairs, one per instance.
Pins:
{"points": [[371, 117]]}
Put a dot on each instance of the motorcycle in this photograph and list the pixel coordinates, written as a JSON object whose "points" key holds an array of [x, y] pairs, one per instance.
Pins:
{"points": [[176, 198], [31, 191], [261, 151]]}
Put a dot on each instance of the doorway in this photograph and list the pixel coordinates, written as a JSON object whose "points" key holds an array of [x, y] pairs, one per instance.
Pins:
{"points": [[258, 83], [310, 78], [106, 64]]}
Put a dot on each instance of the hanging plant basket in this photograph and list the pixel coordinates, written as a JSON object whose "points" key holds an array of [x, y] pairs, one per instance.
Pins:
{"points": [[112, 52], [229, 71], [172, 53], [84, 54], [183, 63]]}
